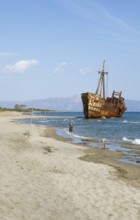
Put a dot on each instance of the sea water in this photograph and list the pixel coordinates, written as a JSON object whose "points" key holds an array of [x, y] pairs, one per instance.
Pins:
{"points": [[124, 129], [114, 132]]}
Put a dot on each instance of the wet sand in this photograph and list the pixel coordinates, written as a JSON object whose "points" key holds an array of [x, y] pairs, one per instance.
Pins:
{"points": [[126, 171], [44, 176]]}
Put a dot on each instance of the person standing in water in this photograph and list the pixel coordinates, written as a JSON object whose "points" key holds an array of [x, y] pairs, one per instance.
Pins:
{"points": [[71, 125]]}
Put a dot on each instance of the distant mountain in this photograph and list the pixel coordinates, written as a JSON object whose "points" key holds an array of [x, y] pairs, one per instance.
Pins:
{"points": [[61, 104], [73, 103]]}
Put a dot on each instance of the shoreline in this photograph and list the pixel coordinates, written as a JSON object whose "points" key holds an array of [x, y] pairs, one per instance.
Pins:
{"points": [[131, 151], [44, 176], [126, 171]]}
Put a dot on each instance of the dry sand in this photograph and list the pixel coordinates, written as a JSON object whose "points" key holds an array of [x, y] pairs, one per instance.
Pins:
{"points": [[42, 178]]}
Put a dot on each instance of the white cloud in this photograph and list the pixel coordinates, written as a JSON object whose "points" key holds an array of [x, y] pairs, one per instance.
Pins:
{"points": [[85, 70], [85, 9], [60, 68], [121, 23], [20, 66]]}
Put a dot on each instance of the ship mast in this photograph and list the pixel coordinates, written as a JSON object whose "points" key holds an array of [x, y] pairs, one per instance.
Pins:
{"points": [[101, 84]]}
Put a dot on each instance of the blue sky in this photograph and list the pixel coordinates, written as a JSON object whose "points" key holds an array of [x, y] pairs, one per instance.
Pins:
{"points": [[55, 48]]}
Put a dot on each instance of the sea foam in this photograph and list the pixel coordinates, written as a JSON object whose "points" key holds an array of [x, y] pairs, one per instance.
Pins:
{"points": [[135, 141]]}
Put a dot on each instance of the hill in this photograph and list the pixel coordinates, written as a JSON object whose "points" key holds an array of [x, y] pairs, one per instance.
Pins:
{"points": [[73, 103]]}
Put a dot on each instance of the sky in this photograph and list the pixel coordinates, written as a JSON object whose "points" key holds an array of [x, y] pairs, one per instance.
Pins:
{"points": [[55, 48]]}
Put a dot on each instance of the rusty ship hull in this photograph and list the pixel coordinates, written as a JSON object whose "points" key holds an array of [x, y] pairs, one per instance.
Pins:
{"points": [[96, 105]]}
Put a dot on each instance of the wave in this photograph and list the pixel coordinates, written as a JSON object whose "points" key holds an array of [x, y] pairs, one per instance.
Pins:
{"points": [[135, 141], [103, 117], [74, 135], [131, 122]]}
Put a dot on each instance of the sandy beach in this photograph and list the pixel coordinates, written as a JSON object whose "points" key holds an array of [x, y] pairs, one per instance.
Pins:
{"points": [[45, 177]]}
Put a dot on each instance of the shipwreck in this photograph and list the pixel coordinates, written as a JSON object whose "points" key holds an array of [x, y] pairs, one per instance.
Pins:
{"points": [[96, 105]]}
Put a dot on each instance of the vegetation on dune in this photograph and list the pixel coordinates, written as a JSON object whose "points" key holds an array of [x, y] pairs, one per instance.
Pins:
{"points": [[22, 108]]}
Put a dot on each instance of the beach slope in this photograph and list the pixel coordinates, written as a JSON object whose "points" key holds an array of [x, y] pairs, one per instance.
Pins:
{"points": [[44, 179]]}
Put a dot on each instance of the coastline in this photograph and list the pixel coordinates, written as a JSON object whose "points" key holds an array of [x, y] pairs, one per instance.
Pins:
{"points": [[126, 171], [45, 175]]}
